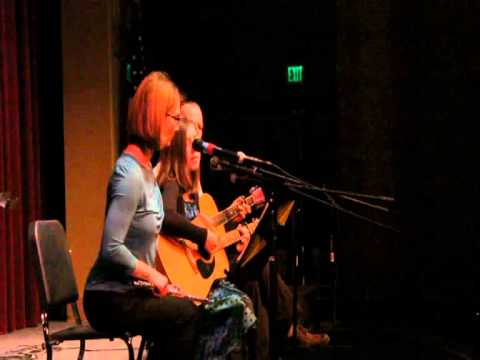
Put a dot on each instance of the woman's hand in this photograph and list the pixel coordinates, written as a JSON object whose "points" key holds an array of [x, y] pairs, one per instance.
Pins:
{"points": [[159, 282], [212, 243], [244, 238], [174, 290], [162, 287], [243, 207], [145, 272]]}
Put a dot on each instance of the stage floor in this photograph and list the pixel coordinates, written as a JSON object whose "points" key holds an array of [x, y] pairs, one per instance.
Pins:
{"points": [[369, 333], [27, 344]]}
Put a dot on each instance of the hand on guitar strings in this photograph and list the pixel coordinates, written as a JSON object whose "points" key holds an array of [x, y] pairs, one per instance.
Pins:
{"points": [[243, 208], [245, 236], [213, 242]]}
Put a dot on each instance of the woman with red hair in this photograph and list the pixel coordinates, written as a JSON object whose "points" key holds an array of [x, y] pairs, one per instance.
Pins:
{"points": [[133, 219]]}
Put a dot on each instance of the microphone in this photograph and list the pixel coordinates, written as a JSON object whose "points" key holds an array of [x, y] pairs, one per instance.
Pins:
{"points": [[212, 149]]}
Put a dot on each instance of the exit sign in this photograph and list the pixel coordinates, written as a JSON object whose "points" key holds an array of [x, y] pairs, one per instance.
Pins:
{"points": [[295, 74]]}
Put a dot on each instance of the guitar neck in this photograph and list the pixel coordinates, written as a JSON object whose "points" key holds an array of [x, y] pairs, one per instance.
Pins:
{"points": [[233, 236], [230, 213]]}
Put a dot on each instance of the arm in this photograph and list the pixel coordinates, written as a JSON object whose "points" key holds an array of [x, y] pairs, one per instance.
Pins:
{"points": [[235, 253], [245, 235], [126, 190], [176, 224]]}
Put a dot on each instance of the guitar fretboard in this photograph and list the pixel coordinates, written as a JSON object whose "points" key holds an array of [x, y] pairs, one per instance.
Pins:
{"points": [[233, 236], [230, 213]]}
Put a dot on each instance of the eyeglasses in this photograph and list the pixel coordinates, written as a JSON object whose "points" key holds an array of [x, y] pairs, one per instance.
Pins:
{"points": [[177, 118]]}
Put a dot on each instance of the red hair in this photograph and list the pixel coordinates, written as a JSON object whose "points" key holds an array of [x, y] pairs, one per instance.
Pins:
{"points": [[155, 97]]}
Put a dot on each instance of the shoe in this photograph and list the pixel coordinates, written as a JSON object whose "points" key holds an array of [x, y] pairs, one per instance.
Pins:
{"points": [[308, 339]]}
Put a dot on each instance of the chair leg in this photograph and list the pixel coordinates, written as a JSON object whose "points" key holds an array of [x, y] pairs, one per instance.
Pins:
{"points": [[128, 341], [82, 350], [46, 331], [48, 347], [141, 348]]}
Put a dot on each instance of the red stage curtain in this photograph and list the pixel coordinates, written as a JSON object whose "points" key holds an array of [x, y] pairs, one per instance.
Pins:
{"points": [[19, 162]]}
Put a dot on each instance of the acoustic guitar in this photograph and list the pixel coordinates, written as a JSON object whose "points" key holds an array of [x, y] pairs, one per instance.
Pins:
{"points": [[180, 260]]}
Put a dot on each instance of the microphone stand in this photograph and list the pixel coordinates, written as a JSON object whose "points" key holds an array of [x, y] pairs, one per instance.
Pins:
{"points": [[273, 299], [299, 187], [295, 276]]}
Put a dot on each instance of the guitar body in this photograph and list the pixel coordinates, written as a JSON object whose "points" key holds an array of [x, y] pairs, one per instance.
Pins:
{"points": [[184, 266]]}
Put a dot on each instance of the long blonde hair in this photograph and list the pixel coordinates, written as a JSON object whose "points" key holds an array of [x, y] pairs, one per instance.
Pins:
{"points": [[173, 162]]}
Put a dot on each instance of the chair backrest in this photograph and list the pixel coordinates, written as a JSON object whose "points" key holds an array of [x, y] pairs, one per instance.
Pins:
{"points": [[54, 264]]}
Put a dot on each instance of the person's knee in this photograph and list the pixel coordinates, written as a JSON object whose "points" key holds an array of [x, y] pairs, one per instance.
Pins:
{"points": [[190, 313], [188, 321]]}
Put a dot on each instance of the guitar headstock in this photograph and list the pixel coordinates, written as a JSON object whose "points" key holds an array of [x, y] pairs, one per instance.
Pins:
{"points": [[257, 196]]}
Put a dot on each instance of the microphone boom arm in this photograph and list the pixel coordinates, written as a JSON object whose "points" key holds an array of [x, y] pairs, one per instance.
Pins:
{"points": [[296, 185]]}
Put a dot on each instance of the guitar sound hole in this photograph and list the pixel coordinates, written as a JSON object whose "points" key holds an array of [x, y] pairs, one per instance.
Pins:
{"points": [[206, 269]]}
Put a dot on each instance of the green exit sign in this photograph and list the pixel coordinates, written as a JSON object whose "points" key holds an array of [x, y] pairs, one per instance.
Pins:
{"points": [[295, 74]]}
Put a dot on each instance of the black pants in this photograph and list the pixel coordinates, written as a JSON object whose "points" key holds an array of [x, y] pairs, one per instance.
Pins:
{"points": [[169, 323], [258, 289]]}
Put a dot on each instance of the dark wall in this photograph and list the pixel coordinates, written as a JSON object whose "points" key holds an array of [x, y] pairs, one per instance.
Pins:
{"points": [[233, 59], [49, 79], [383, 110], [368, 154], [406, 79], [436, 72]]}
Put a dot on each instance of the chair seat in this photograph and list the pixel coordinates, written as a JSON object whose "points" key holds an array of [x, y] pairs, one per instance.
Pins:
{"points": [[85, 332]]}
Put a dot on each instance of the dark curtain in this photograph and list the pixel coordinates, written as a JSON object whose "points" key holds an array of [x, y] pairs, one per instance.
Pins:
{"points": [[19, 162], [406, 76]]}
